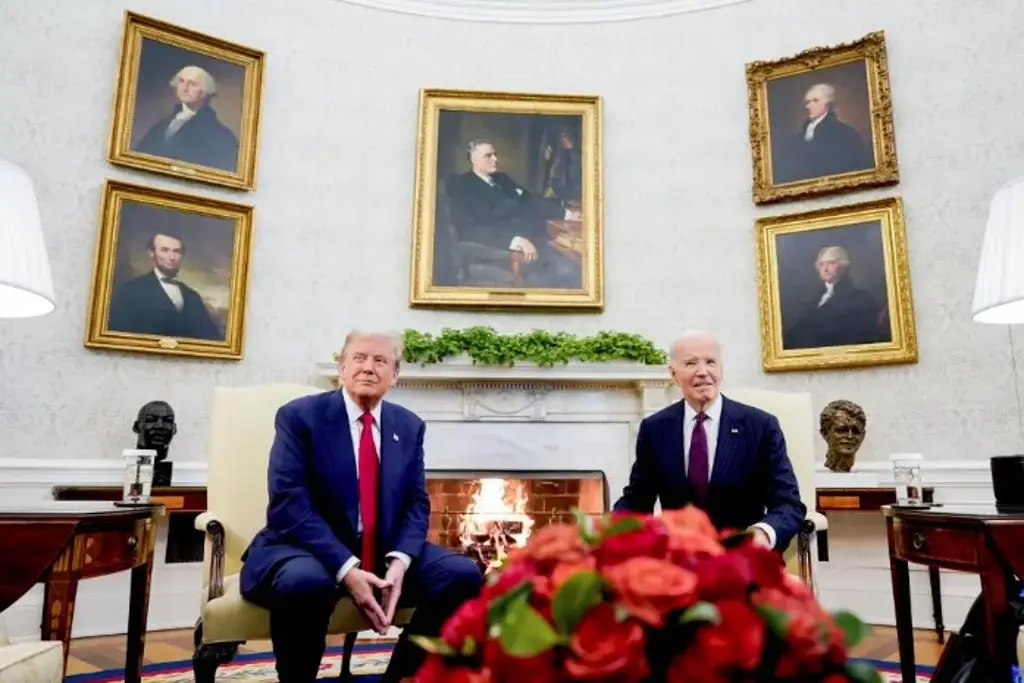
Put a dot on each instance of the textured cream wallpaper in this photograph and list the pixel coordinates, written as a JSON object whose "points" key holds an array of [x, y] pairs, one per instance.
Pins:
{"points": [[333, 209]]}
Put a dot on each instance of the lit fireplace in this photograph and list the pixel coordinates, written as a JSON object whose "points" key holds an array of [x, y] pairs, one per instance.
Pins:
{"points": [[495, 521], [484, 514]]}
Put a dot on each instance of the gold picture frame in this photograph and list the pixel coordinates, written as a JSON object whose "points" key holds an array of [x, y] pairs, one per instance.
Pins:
{"points": [[821, 121], [477, 216], [834, 288], [162, 70], [170, 274]]}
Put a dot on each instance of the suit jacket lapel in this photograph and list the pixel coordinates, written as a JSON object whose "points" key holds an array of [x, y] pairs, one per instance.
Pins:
{"points": [[675, 466], [341, 461], [392, 464], [726, 440]]}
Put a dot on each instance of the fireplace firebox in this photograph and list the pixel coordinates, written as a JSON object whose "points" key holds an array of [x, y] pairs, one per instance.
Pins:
{"points": [[485, 513]]}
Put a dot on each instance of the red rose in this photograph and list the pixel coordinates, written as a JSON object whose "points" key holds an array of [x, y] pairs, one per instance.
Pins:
{"points": [[436, 670], [469, 621], [812, 638], [607, 650], [719, 651], [732, 574], [509, 669], [649, 540], [690, 519], [553, 544], [565, 570], [649, 588], [510, 576]]}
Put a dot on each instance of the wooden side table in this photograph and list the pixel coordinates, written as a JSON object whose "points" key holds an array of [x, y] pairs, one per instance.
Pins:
{"points": [[872, 499], [971, 538], [60, 543]]}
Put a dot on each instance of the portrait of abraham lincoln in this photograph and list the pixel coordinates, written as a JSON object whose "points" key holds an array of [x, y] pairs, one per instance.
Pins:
{"points": [[507, 201]]}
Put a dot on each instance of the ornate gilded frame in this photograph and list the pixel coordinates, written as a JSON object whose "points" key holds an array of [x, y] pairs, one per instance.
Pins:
{"points": [[871, 49], [98, 336], [902, 348], [137, 28], [422, 291]]}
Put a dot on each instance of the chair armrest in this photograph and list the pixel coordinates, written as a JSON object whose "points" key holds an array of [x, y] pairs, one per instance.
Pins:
{"points": [[819, 520], [213, 555]]}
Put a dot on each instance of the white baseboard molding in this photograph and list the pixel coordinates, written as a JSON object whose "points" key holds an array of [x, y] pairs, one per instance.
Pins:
{"points": [[856, 578]]}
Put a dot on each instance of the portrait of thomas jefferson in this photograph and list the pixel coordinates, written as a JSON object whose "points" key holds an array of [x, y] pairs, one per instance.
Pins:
{"points": [[832, 287], [172, 274], [820, 123], [188, 107]]}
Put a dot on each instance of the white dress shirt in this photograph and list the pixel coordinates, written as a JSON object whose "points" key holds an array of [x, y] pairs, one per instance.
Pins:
{"points": [[829, 291], [809, 133], [711, 425], [355, 425], [171, 289]]}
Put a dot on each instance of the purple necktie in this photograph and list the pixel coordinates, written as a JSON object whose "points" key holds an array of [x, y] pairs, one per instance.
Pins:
{"points": [[697, 469]]}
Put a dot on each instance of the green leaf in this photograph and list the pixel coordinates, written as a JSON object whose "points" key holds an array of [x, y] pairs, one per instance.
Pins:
{"points": [[433, 645], [862, 672], [702, 611], [622, 526], [525, 633], [586, 524], [486, 347], [500, 605], [776, 620], [574, 598], [468, 646], [854, 630]]}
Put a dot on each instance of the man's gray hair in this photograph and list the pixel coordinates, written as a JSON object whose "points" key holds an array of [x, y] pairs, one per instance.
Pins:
{"points": [[473, 144], [391, 338], [827, 91], [207, 82], [693, 334]]}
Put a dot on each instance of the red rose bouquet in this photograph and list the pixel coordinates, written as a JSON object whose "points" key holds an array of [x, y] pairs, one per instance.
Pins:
{"points": [[643, 599]]}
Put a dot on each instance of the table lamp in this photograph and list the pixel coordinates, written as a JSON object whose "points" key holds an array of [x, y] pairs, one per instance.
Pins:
{"points": [[999, 299], [26, 287]]}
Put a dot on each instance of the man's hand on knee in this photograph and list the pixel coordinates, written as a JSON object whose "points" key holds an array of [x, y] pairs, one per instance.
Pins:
{"points": [[360, 585]]}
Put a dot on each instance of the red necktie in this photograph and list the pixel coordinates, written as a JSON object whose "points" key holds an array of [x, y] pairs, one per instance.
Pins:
{"points": [[697, 471], [369, 467]]}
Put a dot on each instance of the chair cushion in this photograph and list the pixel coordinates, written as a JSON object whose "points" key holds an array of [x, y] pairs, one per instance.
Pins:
{"points": [[231, 618], [36, 662]]}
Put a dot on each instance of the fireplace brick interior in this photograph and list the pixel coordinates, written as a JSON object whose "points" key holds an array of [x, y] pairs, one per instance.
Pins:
{"points": [[550, 497]]}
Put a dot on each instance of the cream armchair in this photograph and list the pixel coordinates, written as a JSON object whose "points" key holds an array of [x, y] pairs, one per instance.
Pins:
{"points": [[795, 413], [243, 431]]}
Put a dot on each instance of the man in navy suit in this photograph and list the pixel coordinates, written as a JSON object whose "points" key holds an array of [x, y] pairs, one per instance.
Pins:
{"points": [[727, 458], [347, 516]]}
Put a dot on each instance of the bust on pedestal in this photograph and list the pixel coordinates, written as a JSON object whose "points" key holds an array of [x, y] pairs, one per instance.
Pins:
{"points": [[843, 425], [156, 428]]}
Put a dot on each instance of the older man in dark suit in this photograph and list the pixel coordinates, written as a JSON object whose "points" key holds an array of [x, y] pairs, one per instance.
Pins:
{"points": [[727, 458], [348, 515]]}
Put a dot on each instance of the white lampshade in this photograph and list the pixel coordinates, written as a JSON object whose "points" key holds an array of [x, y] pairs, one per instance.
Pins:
{"points": [[999, 290], [26, 287]]}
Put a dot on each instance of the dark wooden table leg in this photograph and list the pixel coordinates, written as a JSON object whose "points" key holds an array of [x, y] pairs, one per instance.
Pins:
{"points": [[1001, 640], [936, 583], [59, 610], [138, 611], [904, 618]]}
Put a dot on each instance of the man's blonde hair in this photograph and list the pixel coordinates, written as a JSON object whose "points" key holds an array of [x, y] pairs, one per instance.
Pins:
{"points": [[355, 335]]}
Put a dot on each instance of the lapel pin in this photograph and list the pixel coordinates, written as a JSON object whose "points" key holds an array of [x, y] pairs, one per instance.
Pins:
{"points": [[734, 431], [395, 437]]}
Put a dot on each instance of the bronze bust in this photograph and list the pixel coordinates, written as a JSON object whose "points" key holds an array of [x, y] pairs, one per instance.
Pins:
{"points": [[843, 425], [156, 427]]}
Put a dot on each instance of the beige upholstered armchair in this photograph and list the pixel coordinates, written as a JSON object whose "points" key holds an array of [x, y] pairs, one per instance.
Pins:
{"points": [[796, 417], [243, 431]]}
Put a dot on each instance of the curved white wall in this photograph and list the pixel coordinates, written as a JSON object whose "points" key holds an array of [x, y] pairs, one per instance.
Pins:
{"points": [[333, 209]]}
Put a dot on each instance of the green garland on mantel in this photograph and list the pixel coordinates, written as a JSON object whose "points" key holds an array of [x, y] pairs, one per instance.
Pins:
{"points": [[545, 349]]}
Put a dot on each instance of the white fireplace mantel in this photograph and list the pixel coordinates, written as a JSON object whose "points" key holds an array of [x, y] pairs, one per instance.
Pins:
{"points": [[578, 416]]}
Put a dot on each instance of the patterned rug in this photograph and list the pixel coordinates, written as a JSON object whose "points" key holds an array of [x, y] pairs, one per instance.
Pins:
{"points": [[368, 663]]}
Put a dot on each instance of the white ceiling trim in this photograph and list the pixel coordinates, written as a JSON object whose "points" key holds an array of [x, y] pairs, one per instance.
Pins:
{"points": [[544, 11]]}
